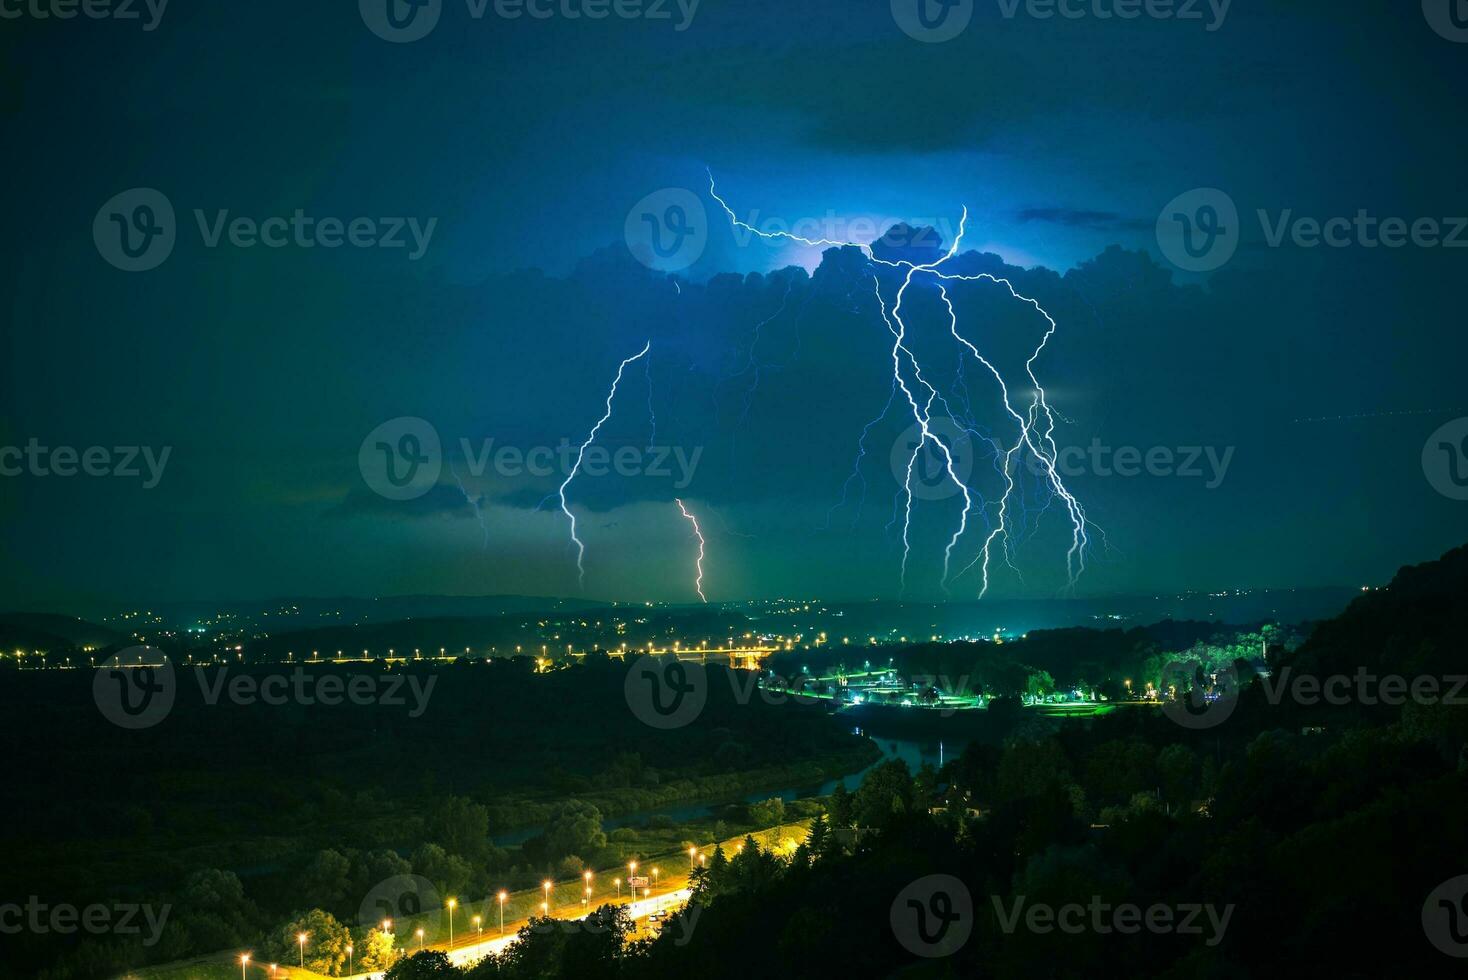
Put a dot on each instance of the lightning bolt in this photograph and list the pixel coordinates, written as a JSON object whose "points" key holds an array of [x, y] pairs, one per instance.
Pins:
{"points": [[475, 502], [1035, 424], [581, 454], [698, 533]]}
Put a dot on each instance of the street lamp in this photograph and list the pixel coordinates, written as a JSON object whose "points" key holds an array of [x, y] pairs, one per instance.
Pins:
{"points": [[502, 897], [618, 883], [350, 948], [546, 886], [386, 926], [301, 942], [655, 877], [478, 929], [244, 962], [420, 940], [453, 904]]}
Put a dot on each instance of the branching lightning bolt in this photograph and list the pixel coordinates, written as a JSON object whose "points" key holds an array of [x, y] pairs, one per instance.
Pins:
{"points": [[581, 454], [1036, 424], [697, 533]]}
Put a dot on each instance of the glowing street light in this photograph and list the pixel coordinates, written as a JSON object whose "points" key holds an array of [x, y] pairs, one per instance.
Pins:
{"points": [[546, 886], [420, 940], [502, 897], [386, 926], [301, 942], [350, 949], [618, 883], [244, 962], [453, 904], [478, 929]]}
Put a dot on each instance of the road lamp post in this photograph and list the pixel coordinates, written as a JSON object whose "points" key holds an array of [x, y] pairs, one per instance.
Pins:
{"points": [[546, 887], [478, 929], [618, 883], [503, 896], [301, 942], [244, 962], [350, 949], [453, 903], [420, 940]]}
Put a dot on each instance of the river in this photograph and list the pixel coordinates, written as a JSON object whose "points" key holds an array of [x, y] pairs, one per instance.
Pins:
{"points": [[911, 751]]}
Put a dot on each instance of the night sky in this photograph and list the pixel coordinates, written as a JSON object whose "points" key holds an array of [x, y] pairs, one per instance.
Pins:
{"points": [[1323, 371]]}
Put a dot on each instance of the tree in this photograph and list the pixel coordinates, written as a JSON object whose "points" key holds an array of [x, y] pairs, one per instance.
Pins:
{"points": [[840, 806], [427, 965], [327, 880], [374, 950], [448, 872], [767, 813], [574, 828], [325, 946], [885, 794], [462, 827]]}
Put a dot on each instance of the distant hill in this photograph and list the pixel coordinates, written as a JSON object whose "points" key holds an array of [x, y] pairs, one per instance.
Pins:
{"points": [[1416, 625], [48, 631]]}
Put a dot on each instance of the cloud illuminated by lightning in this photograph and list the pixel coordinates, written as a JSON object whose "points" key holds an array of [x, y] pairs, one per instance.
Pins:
{"points": [[1036, 425], [698, 533], [581, 454]]}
